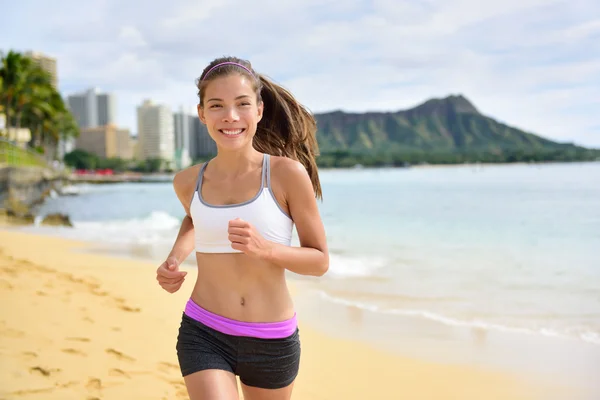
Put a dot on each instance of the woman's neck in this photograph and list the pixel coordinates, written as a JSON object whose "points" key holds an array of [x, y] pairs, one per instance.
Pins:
{"points": [[236, 163]]}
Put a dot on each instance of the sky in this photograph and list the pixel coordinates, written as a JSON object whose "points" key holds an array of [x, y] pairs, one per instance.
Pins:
{"points": [[531, 64]]}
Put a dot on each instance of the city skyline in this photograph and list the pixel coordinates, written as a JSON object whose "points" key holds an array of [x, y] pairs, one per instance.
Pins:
{"points": [[530, 64], [179, 140]]}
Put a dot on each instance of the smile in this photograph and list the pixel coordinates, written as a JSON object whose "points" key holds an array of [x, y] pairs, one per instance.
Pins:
{"points": [[232, 132]]}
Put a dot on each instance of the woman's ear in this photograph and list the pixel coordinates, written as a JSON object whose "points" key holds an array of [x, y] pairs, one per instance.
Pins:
{"points": [[261, 107], [201, 114]]}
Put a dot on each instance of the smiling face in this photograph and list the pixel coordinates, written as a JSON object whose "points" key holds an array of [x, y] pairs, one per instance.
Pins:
{"points": [[230, 111]]}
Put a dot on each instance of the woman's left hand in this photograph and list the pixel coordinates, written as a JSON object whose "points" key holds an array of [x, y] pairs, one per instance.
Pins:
{"points": [[245, 237]]}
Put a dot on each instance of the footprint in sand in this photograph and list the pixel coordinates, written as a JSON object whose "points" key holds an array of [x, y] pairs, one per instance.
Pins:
{"points": [[40, 293], [168, 365], [43, 371], [94, 384], [118, 372], [167, 368], [74, 351], [121, 304], [67, 384], [4, 284], [119, 355], [10, 271], [29, 354], [33, 391], [96, 292], [78, 339], [130, 309], [11, 333]]}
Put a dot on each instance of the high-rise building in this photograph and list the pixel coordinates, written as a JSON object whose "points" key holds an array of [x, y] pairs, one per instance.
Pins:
{"points": [[155, 132], [183, 128], [106, 108], [106, 141], [92, 108], [47, 63], [201, 144]]}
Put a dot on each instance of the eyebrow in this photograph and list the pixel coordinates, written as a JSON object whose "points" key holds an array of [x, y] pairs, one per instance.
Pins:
{"points": [[237, 98]]}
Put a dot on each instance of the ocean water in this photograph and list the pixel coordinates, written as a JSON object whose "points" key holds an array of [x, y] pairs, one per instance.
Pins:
{"points": [[511, 248]]}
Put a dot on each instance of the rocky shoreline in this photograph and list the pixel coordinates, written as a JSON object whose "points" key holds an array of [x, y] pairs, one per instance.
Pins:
{"points": [[24, 188]]}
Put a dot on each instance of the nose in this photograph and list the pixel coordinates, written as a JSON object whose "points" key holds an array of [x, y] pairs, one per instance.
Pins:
{"points": [[231, 115]]}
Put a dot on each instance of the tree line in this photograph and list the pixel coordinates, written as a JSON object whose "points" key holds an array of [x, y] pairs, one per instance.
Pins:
{"points": [[29, 100], [347, 159]]}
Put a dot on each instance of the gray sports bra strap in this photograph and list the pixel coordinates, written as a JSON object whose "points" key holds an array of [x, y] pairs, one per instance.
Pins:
{"points": [[199, 180], [264, 178], [268, 170]]}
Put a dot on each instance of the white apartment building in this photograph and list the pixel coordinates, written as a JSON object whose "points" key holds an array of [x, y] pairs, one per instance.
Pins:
{"points": [[155, 129], [183, 128]]}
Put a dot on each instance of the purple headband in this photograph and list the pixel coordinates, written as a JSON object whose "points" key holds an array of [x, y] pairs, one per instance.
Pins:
{"points": [[227, 63]]}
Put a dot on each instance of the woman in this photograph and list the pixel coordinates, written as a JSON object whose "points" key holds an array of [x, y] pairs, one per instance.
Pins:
{"points": [[240, 209]]}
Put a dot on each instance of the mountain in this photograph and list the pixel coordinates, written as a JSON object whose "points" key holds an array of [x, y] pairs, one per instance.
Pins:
{"points": [[446, 125]]}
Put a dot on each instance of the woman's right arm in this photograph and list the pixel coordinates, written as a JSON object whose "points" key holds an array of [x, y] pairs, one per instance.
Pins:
{"points": [[168, 274], [184, 243], [184, 184]]}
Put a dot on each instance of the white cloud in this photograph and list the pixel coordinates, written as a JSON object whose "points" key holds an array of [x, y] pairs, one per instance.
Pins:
{"points": [[534, 64], [583, 30], [130, 36]]}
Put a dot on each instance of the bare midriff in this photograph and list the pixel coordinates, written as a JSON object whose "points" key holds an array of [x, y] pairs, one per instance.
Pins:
{"points": [[242, 288]]}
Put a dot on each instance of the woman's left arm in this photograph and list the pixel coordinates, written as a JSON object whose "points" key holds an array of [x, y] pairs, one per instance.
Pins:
{"points": [[312, 257]]}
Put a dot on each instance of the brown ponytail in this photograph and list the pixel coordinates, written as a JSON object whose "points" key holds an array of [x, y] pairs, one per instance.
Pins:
{"points": [[286, 129]]}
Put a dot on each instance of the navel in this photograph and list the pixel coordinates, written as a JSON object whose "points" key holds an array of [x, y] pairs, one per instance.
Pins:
{"points": [[243, 301]]}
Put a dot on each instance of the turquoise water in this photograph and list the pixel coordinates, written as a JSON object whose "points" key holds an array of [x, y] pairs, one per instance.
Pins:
{"points": [[508, 248]]}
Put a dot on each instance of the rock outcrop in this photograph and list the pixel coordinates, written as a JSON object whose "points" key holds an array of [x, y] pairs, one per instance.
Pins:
{"points": [[57, 219], [23, 189]]}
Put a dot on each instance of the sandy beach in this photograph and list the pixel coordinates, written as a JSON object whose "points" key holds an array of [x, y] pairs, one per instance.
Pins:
{"points": [[77, 325]]}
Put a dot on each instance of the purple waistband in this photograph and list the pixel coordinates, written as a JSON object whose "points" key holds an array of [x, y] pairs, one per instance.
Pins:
{"points": [[264, 330]]}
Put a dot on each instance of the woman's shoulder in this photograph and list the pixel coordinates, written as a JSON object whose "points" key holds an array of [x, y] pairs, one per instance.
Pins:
{"points": [[185, 180], [286, 168], [288, 173]]}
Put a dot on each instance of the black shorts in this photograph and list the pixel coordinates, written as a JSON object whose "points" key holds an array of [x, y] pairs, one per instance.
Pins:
{"points": [[263, 363]]}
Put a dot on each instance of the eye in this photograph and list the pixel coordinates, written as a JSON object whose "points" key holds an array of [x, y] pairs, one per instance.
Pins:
{"points": [[245, 103], [215, 106]]}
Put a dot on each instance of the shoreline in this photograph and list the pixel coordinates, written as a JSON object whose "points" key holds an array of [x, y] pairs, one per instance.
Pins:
{"points": [[136, 177], [85, 295], [566, 362]]}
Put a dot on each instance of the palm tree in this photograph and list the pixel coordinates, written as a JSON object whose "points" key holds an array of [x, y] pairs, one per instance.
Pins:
{"points": [[10, 72], [31, 101], [35, 87], [1, 102]]}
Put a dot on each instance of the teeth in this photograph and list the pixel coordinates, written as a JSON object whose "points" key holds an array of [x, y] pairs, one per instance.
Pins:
{"points": [[232, 132]]}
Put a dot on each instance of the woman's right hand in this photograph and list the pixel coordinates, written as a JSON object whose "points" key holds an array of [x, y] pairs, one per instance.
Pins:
{"points": [[168, 275]]}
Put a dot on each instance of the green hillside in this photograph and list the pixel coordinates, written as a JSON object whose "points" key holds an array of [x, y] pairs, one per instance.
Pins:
{"points": [[440, 130]]}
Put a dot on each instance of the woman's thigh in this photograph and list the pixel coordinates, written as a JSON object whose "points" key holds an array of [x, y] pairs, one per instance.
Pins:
{"points": [[268, 367], [212, 384], [256, 393]]}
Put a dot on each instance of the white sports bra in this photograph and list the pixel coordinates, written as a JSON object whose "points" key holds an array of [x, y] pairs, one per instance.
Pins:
{"points": [[211, 222]]}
